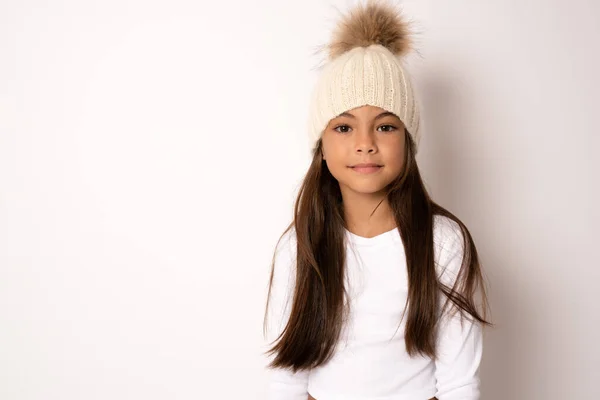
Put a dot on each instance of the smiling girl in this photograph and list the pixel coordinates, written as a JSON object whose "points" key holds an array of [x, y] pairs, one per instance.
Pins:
{"points": [[372, 287]]}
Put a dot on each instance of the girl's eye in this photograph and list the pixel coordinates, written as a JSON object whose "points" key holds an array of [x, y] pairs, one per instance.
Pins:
{"points": [[340, 126], [391, 128]]}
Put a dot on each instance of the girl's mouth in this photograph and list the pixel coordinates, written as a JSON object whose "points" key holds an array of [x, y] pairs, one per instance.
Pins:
{"points": [[367, 169]]}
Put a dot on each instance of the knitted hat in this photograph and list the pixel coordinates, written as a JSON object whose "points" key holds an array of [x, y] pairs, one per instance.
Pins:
{"points": [[365, 68]]}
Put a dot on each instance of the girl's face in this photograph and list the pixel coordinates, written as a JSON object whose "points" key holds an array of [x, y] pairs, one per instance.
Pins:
{"points": [[365, 134]]}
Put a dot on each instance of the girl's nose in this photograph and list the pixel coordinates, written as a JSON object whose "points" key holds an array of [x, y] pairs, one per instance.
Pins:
{"points": [[365, 142]]}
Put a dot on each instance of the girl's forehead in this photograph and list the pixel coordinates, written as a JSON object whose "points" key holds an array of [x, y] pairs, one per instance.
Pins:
{"points": [[367, 108], [366, 111]]}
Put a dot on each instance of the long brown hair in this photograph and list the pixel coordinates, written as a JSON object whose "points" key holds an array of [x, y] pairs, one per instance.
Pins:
{"points": [[319, 309]]}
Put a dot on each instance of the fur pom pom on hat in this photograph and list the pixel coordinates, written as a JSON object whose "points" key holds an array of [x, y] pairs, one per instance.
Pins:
{"points": [[364, 67]]}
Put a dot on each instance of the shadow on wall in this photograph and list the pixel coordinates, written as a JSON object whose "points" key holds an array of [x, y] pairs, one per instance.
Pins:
{"points": [[458, 173]]}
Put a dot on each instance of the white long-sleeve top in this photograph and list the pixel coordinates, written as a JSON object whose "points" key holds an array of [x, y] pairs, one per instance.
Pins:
{"points": [[372, 362]]}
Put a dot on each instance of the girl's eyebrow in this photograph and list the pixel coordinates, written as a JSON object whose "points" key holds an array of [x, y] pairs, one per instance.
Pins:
{"points": [[383, 114]]}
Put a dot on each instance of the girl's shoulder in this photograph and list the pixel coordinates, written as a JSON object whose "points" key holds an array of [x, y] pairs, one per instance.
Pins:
{"points": [[287, 243], [446, 231], [285, 257], [448, 244]]}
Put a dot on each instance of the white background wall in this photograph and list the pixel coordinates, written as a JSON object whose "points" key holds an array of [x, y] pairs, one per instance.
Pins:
{"points": [[150, 153]]}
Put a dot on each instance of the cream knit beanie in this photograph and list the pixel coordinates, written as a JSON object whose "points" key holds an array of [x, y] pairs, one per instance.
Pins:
{"points": [[365, 68]]}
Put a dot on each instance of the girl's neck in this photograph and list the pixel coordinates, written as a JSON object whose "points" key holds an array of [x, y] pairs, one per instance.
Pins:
{"points": [[357, 214]]}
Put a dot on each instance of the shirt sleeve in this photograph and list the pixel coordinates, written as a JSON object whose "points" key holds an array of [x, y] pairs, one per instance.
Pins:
{"points": [[459, 343], [283, 384]]}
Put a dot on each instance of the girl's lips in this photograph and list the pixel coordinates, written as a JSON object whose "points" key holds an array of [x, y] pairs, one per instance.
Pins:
{"points": [[366, 170]]}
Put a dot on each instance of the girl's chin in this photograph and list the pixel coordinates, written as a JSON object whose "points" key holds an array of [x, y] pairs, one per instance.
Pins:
{"points": [[367, 189]]}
